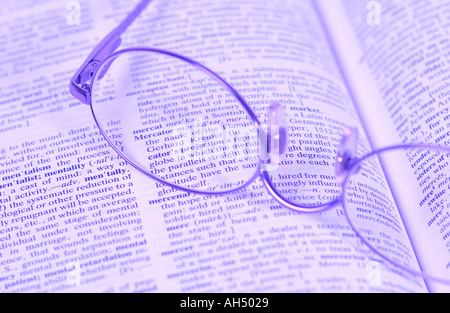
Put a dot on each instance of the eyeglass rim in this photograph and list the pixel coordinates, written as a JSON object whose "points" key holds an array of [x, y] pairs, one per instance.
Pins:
{"points": [[264, 174], [357, 162], [313, 208], [212, 75]]}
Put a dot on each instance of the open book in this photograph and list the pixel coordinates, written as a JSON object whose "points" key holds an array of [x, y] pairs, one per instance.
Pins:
{"points": [[327, 62]]}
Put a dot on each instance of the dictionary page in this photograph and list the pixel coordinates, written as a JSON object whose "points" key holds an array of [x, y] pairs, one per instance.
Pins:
{"points": [[76, 218], [401, 51]]}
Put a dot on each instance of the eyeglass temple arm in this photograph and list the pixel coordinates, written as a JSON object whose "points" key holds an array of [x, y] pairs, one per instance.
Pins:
{"points": [[78, 87]]}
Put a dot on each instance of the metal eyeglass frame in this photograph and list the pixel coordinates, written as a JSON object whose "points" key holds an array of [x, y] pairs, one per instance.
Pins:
{"points": [[347, 163]]}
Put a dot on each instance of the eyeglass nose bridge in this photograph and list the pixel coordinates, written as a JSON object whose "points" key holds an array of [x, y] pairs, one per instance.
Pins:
{"points": [[346, 157]]}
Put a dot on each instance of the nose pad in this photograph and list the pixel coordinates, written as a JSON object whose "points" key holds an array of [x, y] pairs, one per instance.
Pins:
{"points": [[277, 135], [347, 155], [104, 70]]}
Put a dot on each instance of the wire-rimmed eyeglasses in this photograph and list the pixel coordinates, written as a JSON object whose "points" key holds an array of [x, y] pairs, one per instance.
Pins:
{"points": [[183, 125]]}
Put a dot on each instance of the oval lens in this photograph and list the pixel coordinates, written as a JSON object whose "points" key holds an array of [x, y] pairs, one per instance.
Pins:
{"points": [[176, 121], [406, 222]]}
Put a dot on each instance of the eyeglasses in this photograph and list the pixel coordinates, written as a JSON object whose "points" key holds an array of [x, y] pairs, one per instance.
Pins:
{"points": [[181, 124]]}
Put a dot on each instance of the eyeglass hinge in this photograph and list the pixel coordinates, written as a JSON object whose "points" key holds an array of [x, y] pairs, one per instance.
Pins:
{"points": [[88, 71], [86, 87]]}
